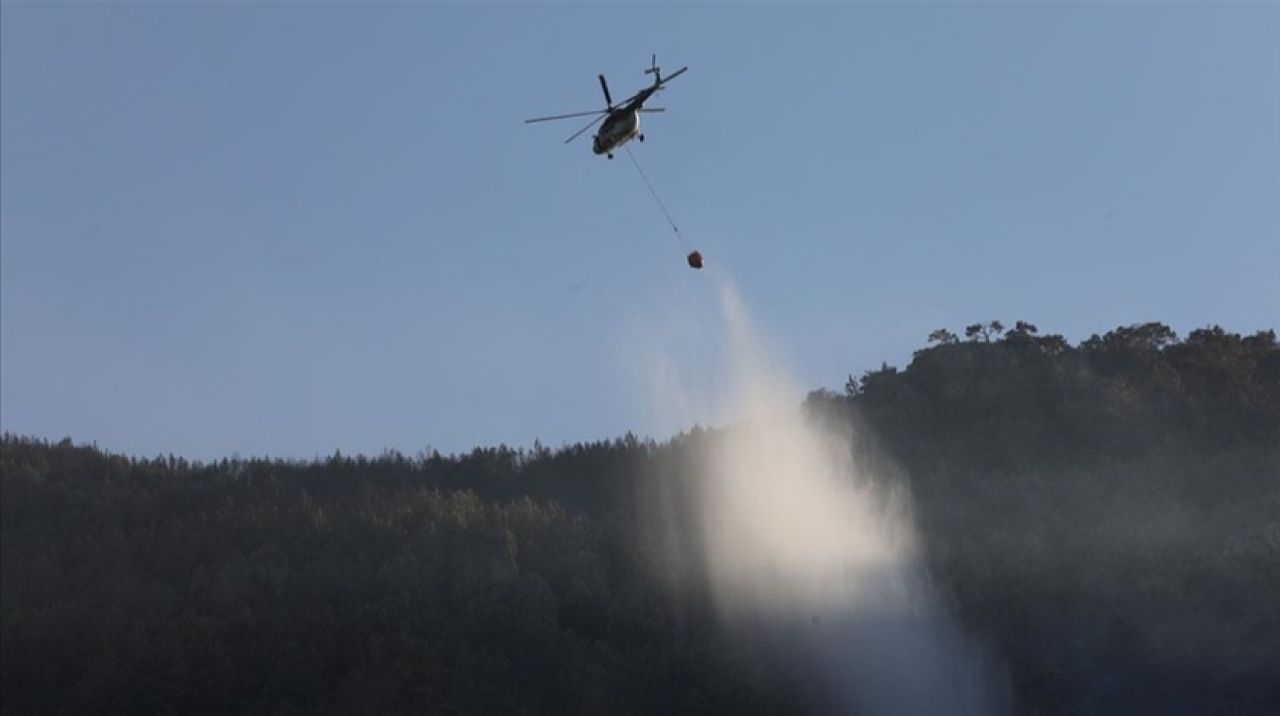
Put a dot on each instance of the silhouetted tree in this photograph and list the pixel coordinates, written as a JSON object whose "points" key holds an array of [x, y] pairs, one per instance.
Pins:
{"points": [[943, 336], [985, 331]]}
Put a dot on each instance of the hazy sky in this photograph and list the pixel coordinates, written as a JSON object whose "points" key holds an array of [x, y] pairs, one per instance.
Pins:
{"points": [[290, 228]]}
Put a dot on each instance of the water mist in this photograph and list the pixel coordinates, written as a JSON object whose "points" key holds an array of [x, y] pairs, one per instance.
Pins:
{"points": [[806, 558]]}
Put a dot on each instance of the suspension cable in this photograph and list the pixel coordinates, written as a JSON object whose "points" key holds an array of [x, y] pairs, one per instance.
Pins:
{"points": [[656, 198]]}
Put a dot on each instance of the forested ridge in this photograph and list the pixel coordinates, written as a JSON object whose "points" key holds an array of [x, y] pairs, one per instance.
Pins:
{"points": [[1106, 514]]}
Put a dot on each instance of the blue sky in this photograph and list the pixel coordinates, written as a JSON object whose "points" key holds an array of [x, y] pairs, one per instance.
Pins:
{"points": [[287, 228]]}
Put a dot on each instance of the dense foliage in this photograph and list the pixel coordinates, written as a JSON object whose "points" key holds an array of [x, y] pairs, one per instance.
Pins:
{"points": [[1108, 514], [353, 585]]}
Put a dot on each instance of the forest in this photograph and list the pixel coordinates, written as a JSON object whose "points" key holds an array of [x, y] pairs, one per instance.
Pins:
{"points": [[1107, 514]]}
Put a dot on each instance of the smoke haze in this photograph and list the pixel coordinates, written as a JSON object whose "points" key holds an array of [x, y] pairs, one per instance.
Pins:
{"points": [[809, 562]]}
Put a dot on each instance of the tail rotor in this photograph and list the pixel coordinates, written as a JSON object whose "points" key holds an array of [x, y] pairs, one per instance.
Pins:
{"points": [[654, 70], [658, 81]]}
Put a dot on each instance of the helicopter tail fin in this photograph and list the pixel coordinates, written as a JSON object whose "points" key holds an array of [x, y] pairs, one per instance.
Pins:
{"points": [[654, 70]]}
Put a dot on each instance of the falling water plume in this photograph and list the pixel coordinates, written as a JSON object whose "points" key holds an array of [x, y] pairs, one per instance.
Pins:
{"points": [[806, 556]]}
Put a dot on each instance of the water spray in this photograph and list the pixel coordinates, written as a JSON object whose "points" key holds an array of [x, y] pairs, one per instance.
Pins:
{"points": [[810, 559]]}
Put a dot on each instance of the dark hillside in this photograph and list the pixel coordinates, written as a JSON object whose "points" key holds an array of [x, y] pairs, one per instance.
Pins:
{"points": [[1108, 514], [1111, 512]]}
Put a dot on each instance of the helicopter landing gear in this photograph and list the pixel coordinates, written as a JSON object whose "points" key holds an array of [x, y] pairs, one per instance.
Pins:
{"points": [[640, 137], [610, 156]]}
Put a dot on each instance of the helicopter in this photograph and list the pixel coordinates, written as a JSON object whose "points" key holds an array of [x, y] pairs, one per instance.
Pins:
{"points": [[621, 120]]}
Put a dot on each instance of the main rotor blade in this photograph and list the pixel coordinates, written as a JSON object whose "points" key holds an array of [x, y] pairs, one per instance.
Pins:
{"points": [[566, 116], [652, 109], [626, 101], [580, 131], [608, 101], [674, 75]]}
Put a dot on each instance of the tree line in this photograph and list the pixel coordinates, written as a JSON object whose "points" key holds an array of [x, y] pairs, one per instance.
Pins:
{"points": [[1107, 514]]}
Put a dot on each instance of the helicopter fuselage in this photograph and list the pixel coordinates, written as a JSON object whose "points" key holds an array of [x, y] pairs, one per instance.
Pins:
{"points": [[617, 130], [622, 124]]}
